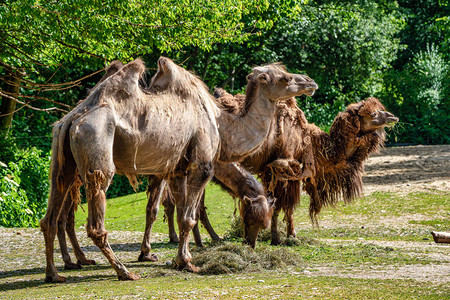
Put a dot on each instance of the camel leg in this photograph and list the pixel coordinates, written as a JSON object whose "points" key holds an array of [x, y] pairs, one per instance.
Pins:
{"points": [[197, 236], [49, 224], [187, 192], [290, 227], [70, 229], [62, 226], [274, 227], [205, 221], [169, 211], [196, 229], [154, 191], [96, 221]]}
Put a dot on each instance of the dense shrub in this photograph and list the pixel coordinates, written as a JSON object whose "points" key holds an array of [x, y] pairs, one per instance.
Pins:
{"points": [[24, 185], [420, 96]]}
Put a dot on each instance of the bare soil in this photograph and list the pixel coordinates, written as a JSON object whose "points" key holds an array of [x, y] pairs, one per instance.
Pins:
{"points": [[409, 169]]}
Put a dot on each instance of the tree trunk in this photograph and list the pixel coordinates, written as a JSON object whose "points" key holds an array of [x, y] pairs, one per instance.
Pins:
{"points": [[8, 105]]}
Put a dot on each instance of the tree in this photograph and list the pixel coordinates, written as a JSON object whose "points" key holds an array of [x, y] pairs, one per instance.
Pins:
{"points": [[39, 36]]}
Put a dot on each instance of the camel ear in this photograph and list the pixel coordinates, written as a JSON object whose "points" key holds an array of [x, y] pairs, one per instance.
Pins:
{"points": [[264, 78], [249, 76]]}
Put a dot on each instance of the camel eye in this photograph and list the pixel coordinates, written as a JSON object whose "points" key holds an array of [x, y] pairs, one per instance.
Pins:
{"points": [[373, 115]]}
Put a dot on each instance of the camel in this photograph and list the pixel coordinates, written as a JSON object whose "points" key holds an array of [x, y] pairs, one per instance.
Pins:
{"points": [[172, 135], [332, 163]]}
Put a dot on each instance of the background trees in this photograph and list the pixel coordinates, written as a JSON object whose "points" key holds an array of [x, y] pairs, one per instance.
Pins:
{"points": [[53, 51]]}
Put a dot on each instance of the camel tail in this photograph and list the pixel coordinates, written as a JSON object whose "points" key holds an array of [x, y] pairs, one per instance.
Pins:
{"points": [[60, 154]]}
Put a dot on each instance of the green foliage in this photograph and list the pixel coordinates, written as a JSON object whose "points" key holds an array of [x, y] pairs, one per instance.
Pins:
{"points": [[52, 32], [420, 96], [24, 185], [344, 46], [121, 186]]}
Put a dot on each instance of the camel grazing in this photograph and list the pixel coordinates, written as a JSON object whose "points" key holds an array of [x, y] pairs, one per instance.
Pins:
{"points": [[254, 209], [172, 135], [332, 163]]}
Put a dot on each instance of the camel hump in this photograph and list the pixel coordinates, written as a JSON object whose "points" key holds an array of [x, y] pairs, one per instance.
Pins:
{"points": [[133, 69], [113, 67]]}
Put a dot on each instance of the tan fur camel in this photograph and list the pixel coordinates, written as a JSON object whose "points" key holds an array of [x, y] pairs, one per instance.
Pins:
{"points": [[172, 135]]}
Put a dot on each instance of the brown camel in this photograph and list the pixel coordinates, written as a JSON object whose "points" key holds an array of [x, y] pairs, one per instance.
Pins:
{"points": [[172, 135], [332, 163]]}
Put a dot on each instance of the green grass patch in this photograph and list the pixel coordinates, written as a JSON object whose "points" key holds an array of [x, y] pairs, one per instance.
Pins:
{"points": [[382, 232]]}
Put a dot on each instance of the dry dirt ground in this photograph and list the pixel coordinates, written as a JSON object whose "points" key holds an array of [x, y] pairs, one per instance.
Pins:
{"points": [[409, 169]]}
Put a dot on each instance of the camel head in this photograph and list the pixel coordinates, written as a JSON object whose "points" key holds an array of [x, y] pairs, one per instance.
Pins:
{"points": [[372, 115], [277, 84], [256, 214]]}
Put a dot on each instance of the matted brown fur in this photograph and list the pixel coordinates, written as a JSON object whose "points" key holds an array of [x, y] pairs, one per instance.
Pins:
{"points": [[340, 156], [332, 163]]}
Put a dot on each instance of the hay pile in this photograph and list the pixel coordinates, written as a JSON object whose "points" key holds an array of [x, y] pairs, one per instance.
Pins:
{"points": [[236, 232], [235, 258]]}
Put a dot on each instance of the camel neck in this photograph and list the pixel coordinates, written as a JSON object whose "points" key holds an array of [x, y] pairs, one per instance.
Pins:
{"points": [[241, 135]]}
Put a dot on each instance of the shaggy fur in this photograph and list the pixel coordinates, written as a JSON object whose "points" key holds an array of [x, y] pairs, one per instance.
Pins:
{"points": [[332, 164]]}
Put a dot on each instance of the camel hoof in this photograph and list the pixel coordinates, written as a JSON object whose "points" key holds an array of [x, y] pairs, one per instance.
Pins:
{"points": [[275, 242], [72, 266], [188, 267], [148, 257], [129, 276], [175, 240], [86, 262], [55, 279]]}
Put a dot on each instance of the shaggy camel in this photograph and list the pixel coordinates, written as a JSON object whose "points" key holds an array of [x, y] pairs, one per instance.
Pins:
{"points": [[332, 163], [172, 135]]}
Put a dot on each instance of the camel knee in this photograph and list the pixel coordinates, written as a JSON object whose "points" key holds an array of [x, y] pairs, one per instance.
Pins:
{"points": [[186, 223], [98, 237], [203, 171], [48, 224], [97, 180], [207, 170]]}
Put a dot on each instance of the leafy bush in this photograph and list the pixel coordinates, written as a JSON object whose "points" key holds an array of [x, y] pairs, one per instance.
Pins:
{"points": [[24, 185], [419, 96]]}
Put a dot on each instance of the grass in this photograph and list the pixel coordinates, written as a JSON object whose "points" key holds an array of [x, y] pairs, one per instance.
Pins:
{"points": [[378, 247]]}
